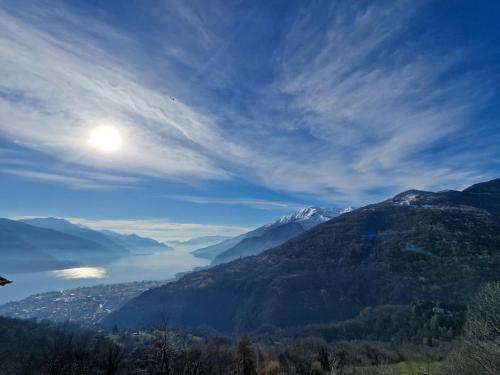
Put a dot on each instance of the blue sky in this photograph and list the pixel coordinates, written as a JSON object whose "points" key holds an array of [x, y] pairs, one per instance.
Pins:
{"points": [[233, 113]]}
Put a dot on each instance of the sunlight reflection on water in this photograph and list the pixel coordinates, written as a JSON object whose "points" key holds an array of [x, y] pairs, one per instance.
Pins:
{"points": [[81, 273], [159, 266]]}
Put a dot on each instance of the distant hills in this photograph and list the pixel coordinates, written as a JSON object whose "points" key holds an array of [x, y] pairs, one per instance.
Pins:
{"points": [[50, 243], [204, 240], [417, 245], [24, 247], [136, 243], [268, 236], [108, 238], [197, 242], [64, 226]]}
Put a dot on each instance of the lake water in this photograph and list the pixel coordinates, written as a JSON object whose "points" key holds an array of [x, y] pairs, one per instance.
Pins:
{"points": [[157, 266]]}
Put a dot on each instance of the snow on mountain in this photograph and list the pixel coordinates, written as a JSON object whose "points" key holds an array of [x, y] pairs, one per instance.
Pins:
{"points": [[416, 198], [311, 216], [269, 235], [406, 200], [278, 232]]}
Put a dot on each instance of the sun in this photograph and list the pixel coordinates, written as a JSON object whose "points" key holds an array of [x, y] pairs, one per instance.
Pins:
{"points": [[105, 138]]}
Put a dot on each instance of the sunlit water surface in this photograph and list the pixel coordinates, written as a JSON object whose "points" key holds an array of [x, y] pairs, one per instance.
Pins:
{"points": [[81, 273], [158, 266]]}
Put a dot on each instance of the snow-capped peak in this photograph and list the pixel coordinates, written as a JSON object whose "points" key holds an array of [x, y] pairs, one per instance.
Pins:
{"points": [[311, 216]]}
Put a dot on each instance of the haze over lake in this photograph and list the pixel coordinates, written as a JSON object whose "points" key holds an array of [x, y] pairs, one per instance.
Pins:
{"points": [[156, 266]]}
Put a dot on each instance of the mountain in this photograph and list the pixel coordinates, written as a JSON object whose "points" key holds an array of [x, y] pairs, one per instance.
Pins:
{"points": [[210, 252], [417, 245], [135, 242], [124, 243], [201, 241], [279, 232], [24, 247], [65, 226], [268, 235], [309, 217]]}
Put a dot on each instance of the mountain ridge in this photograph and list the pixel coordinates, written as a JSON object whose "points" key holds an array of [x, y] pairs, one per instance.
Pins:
{"points": [[268, 235], [280, 231], [124, 243], [81, 231], [26, 247], [415, 245]]}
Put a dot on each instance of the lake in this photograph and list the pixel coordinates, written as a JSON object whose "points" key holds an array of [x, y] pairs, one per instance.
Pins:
{"points": [[157, 266]]}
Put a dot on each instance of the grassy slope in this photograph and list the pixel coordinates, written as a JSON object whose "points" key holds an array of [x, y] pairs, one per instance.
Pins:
{"points": [[401, 368]]}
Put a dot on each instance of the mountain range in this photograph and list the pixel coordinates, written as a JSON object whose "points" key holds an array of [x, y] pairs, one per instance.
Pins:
{"points": [[51, 243], [24, 247], [268, 236], [108, 238], [136, 243], [196, 243], [204, 240], [417, 245], [64, 226]]}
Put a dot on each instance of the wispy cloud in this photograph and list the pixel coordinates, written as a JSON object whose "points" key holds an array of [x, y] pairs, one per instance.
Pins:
{"points": [[162, 229], [255, 203], [54, 91], [365, 109], [85, 181], [17, 163], [353, 105]]}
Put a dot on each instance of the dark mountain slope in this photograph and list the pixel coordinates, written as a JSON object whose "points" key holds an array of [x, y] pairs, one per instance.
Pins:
{"points": [[212, 251], [255, 245], [417, 245], [485, 195]]}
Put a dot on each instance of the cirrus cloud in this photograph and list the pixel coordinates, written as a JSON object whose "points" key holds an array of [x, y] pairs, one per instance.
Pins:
{"points": [[348, 102]]}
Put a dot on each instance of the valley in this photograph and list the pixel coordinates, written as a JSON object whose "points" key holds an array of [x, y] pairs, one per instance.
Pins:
{"points": [[381, 284], [414, 246], [249, 187]]}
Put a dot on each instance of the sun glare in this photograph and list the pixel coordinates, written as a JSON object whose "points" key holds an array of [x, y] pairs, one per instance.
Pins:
{"points": [[106, 138], [81, 273]]}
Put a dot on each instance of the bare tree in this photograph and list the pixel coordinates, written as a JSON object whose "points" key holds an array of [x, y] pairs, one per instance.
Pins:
{"points": [[480, 350], [245, 358], [331, 361], [113, 359], [164, 353]]}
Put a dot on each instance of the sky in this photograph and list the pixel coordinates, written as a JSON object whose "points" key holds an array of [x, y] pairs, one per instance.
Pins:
{"points": [[230, 114]]}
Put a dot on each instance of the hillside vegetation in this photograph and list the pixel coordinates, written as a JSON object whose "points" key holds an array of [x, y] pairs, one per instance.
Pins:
{"points": [[425, 246]]}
